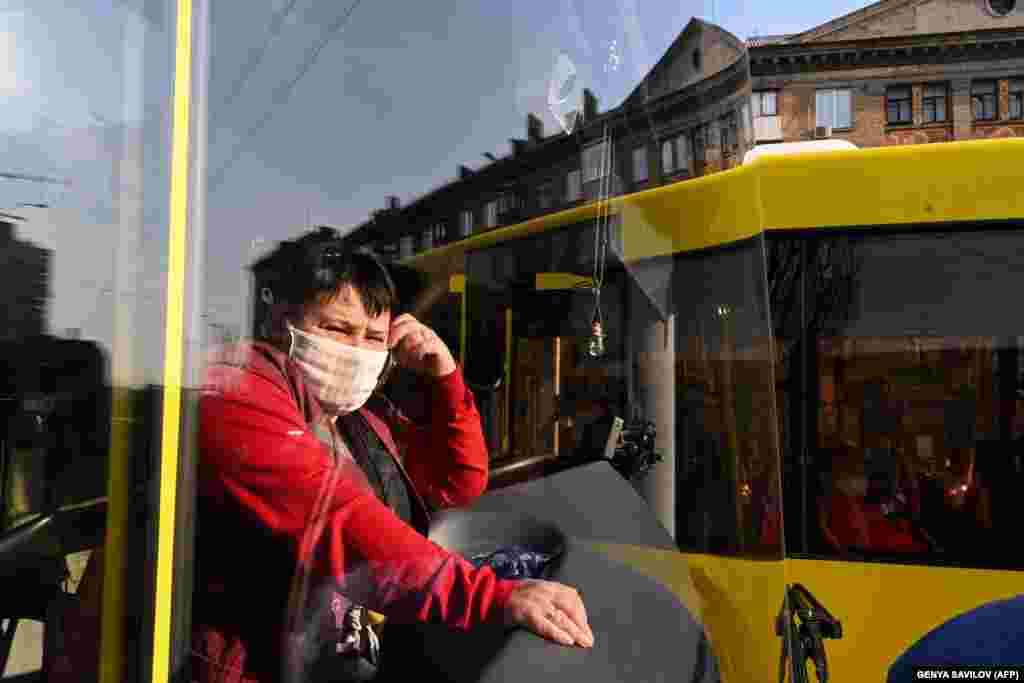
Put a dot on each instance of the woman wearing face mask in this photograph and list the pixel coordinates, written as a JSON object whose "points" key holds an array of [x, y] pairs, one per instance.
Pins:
{"points": [[301, 484]]}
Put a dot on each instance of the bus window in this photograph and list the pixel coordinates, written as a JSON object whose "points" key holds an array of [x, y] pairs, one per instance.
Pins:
{"points": [[85, 244], [529, 313], [728, 495], [902, 381]]}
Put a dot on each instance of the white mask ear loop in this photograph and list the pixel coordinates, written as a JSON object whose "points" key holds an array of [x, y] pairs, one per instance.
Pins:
{"points": [[291, 338]]}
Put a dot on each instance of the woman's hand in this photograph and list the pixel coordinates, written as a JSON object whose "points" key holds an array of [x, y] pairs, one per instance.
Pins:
{"points": [[551, 610], [417, 347]]}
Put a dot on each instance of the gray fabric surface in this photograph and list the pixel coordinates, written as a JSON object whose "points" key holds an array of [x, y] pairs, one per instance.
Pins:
{"points": [[643, 632]]}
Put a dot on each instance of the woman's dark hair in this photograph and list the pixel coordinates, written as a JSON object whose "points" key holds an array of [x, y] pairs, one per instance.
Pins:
{"points": [[315, 271]]}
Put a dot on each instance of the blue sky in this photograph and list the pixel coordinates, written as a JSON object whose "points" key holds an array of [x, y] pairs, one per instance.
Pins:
{"points": [[394, 101]]}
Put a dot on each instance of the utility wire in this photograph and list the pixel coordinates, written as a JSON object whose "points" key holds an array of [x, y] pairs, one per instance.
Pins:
{"points": [[284, 91], [257, 54]]}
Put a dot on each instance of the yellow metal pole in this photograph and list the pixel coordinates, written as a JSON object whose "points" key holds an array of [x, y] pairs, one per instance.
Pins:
{"points": [[174, 341]]}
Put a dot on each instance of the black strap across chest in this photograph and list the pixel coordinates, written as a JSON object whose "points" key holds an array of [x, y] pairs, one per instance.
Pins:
{"points": [[377, 464]]}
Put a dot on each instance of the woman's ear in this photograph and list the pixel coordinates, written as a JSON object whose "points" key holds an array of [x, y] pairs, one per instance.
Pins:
{"points": [[281, 314]]}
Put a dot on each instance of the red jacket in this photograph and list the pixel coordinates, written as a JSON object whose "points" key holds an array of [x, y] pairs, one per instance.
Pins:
{"points": [[264, 475]]}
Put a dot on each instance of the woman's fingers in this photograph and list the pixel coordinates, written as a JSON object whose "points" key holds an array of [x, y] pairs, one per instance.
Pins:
{"points": [[570, 603], [551, 610]]}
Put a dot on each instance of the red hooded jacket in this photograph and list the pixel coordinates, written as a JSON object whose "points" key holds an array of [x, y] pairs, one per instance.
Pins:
{"points": [[277, 508]]}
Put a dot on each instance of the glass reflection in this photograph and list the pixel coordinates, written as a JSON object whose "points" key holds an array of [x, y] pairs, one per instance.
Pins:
{"points": [[82, 248], [909, 413], [729, 500]]}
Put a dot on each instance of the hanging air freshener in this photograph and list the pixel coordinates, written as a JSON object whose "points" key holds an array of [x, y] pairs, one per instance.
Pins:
{"points": [[595, 346], [596, 341]]}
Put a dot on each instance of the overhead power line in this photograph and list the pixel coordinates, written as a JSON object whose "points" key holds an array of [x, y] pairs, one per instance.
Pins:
{"points": [[284, 91], [9, 175], [257, 54]]}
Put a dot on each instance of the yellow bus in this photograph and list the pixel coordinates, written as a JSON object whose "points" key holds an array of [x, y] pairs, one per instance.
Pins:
{"points": [[817, 340]]}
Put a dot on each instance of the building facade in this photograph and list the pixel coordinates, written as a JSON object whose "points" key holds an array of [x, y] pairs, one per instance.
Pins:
{"points": [[689, 116], [895, 72]]}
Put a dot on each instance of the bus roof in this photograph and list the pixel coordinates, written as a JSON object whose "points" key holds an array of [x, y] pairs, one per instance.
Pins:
{"points": [[899, 185], [790, 148]]}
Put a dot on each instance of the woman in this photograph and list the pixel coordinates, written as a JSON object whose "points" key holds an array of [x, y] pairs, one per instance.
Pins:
{"points": [[300, 484]]}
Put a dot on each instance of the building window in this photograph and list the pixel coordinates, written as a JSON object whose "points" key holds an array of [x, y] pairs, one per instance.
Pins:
{"points": [[983, 97], [640, 164], [507, 202], [765, 103], [491, 214], [899, 105], [934, 103], [595, 162], [766, 125], [466, 223], [728, 134], [406, 247], [545, 195], [834, 108], [747, 123], [440, 233], [674, 157], [573, 186], [1017, 98], [700, 141]]}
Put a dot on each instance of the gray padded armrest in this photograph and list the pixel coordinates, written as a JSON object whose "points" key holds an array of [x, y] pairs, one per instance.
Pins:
{"points": [[591, 502], [643, 631]]}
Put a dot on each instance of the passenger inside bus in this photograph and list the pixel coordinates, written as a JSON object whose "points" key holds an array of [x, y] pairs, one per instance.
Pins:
{"points": [[305, 393], [867, 513], [841, 510], [282, 442]]}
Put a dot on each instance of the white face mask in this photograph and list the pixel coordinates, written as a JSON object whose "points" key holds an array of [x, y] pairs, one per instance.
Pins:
{"points": [[342, 377]]}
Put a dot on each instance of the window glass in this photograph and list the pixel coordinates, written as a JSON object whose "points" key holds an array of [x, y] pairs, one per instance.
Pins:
{"points": [[318, 112], [595, 161], [1016, 98], [530, 301], [844, 109], [729, 133], [983, 98], [491, 214], [910, 429], [466, 223], [934, 103], [84, 250], [668, 160], [726, 435], [899, 105], [682, 153], [573, 187], [824, 108], [640, 164], [834, 108]]}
